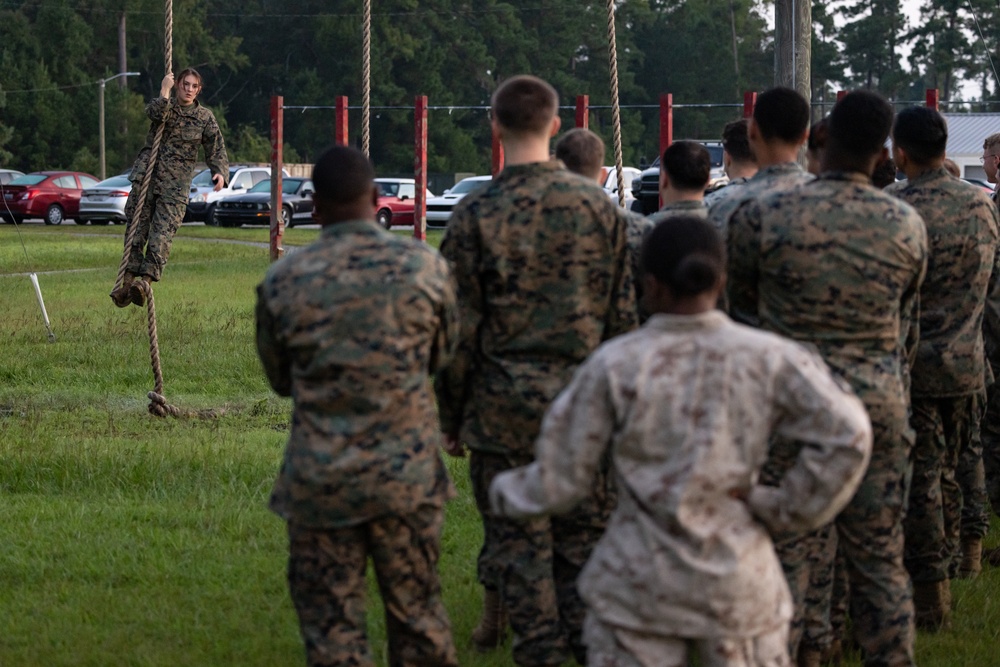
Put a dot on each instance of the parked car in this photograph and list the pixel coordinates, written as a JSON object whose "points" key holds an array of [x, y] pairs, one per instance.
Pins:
{"points": [[395, 202], [646, 189], [8, 175], [610, 176], [439, 208], [51, 195], [254, 207], [203, 197], [105, 202], [986, 187]]}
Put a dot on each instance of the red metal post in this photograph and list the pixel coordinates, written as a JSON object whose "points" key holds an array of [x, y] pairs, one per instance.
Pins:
{"points": [[749, 102], [583, 111], [666, 121], [340, 124], [497, 164], [420, 168], [840, 94], [932, 98], [277, 161]]}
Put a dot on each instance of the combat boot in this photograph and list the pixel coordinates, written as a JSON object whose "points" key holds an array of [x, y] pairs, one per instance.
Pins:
{"points": [[120, 296], [492, 627], [137, 292], [932, 604], [972, 556]]}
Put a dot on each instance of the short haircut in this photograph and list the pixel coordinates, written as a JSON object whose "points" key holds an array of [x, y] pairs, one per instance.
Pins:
{"points": [[782, 114], [582, 151], [818, 134], [992, 141], [885, 173], [859, 124], [735, 141], [189, 71], [688, 164], [952, 167], [342, 175], [684, 253], [525, 104], [922, 132]]}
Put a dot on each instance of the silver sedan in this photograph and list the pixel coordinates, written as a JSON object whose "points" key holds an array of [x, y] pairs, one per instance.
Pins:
{"points": [[105, 202]]}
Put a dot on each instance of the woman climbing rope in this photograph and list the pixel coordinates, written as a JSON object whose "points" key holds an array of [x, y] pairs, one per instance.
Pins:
{"points": [[186, 125]]}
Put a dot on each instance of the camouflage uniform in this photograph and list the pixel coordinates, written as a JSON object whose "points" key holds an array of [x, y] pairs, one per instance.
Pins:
{"points": [[671, 209], [187, 128], [836, 263], [730, 189], [769, 179], [990, 427], [683, 556], [351, 327], [541, 259], [637, 228], [948, 375]]}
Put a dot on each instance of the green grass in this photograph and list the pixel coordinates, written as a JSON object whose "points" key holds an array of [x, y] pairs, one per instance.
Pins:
{"points": [[132, 540]]}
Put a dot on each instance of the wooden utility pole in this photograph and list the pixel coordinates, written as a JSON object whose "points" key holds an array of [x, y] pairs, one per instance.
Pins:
{"points": [[793, 45]]}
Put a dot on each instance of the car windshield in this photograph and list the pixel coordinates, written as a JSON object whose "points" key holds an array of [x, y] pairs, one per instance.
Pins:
{"points": [[716, 153], [465, 186], [288, 186], [114, 182], [203, 179], [28, 179], [388, 189]]}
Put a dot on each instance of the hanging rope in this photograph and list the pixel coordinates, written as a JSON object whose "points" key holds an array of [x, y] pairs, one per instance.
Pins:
{"points": [[158, 404], [616, 118], [366, 78]]}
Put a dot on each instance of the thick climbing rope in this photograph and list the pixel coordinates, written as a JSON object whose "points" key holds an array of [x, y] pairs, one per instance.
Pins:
{"points": [[157, 403], [366, 78], [616, 119]]}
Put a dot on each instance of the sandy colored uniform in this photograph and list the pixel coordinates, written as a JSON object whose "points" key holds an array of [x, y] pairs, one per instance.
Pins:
{"points": [[948, 375], [685, 408], [541, 259], [351, 327], [187, 128], [839, 264]]}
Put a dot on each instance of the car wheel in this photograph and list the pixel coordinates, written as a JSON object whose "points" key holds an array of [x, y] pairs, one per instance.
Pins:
{"points": [[100, 222], [384, 218], [82, 222], [54, 215], [210, 218], [286, 216]]}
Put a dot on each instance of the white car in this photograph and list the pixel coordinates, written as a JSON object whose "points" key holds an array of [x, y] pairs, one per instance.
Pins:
{"points": [[203, 197], [439, 208], [105, 202], [610, 181]]}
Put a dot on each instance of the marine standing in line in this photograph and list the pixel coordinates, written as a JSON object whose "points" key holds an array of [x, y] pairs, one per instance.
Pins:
{"points": [[945, 518], [738, 161], [685, 169], [684, 409], [839, 264], [351, 327], [188, 126], [778, 128], [541, 259], [582, 151]]}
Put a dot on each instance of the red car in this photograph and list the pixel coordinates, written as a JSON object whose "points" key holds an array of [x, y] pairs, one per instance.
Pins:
{"points": [[395, 202], [51, 195]]}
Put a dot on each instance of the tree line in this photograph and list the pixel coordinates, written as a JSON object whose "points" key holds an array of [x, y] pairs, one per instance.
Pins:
{"points": [[704, 52]]}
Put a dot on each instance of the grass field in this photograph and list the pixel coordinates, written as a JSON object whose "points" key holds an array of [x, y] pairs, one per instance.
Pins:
{"points": [[132, 540]]}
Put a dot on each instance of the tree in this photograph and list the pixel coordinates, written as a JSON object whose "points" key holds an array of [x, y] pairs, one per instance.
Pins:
{"points": [[872, 38]]}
